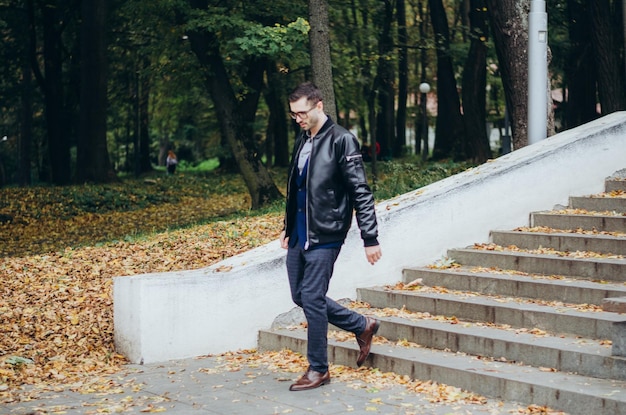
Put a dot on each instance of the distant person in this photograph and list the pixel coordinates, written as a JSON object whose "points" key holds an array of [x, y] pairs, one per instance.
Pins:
{"points": [[326, 184], [171, 162], [366, 150]]}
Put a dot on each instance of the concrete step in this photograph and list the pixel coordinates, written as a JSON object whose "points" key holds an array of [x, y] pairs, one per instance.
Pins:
{"points": [[572, 354], [565, 242], [559, 319], [598, 203], [511, 283], [609, 269], [587, 222], [574, 394], [615, 185]]}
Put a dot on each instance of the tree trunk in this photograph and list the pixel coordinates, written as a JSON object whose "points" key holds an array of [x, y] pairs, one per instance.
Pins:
{"points": [[449, 131], [607, 57], [403, 78], [474, 86], [277, 136], [93, 156], [422, 131], [26, 118], [145, 165], [135, 94], [372, 120], [364, 71], [580, 75], [509, 25], [624, 34], [385, 126], [319, 44], [58, 142], [231, 117]]}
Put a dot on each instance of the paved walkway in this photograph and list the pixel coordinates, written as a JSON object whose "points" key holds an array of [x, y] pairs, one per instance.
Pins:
{"points": [[210, 386]]}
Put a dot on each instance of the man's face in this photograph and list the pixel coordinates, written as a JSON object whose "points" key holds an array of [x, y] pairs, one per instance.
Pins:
{"points": [[306, 115]]}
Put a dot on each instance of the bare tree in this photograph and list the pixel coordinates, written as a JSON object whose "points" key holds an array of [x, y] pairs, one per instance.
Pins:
{"points": [[450, 131], [235, 115], [26, 118], [607, 56], [50, 80], [474, 85], [92, 156], [403, 77], [509, 24], [580, 69], [384, 133], [277, 136], [321, 65]]}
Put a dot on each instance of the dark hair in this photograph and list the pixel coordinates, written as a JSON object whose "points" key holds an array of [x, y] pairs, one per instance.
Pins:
{"points": [[308, 90]]}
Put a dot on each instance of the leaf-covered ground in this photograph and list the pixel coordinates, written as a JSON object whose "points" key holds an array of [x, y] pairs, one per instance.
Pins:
{"points": [[46, 219], [60, 248], [56, 267]]}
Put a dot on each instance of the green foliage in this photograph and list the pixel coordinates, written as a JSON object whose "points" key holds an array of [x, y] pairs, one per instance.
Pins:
{"points": [[17, 362], [201, 181], [272, 41], [215, 20], [203, 166], [149, 50], [44, 219], [125, 196], [402, 176], [106, 198], [444, 263], [558, 39]]}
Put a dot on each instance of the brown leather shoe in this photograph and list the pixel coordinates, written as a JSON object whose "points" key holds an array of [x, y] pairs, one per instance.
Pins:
{"points": [[311, 380], [365, 339]]}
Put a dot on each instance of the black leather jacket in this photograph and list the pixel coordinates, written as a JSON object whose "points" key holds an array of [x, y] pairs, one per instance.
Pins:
{"points": [[336, 186]]}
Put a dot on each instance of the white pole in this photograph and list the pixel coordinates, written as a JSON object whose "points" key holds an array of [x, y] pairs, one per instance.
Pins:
{"points": [[537, 71]]}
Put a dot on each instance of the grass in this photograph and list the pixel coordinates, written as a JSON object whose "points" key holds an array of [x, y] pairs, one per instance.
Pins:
{"points": [[398, 177], [35, 220]]}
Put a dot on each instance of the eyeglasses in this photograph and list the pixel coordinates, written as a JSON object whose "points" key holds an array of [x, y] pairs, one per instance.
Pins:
{"points": [[302, 114]]}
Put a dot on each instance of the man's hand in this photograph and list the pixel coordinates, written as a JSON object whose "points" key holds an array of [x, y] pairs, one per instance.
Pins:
{"points": [[284, 242], [373, 253]]}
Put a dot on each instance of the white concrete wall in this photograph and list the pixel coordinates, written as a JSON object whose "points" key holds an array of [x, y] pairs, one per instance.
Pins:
{"points": [[183, 314]]}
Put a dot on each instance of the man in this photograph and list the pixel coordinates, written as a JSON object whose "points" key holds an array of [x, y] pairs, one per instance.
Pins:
{"points": [[326, 184]]}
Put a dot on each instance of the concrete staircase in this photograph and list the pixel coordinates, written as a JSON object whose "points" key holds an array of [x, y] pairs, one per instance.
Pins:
{"points": [[536, 316]]}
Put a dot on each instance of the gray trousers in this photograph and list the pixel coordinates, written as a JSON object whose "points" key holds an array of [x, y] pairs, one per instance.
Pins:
{"points": [[309, 275]]}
